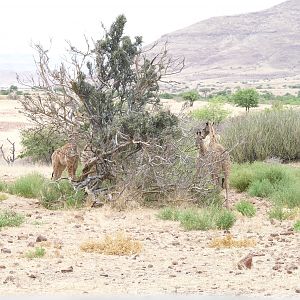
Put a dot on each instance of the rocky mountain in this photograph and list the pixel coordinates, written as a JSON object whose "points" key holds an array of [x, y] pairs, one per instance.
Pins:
{"points": [[264, 44]]}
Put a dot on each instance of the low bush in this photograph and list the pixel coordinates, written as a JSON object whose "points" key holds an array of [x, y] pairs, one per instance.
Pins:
{"points": [[213, 112], [263, 135], [27, 186], [246, 208], [297, 226], [10, 219], [277, 182], [61, 194], [36, 253], [212, 217]]}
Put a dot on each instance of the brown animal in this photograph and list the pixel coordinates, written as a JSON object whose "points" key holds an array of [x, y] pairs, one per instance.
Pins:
{"points": [[214, 156], [65, 157]]}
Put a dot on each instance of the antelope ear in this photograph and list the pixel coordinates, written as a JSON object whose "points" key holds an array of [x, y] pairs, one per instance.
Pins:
{"points": [[206, 123]]}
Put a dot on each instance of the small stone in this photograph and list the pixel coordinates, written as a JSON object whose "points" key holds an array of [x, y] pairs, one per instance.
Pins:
{"points": [[5, 250], [67, 270], [297, 291], [150, 266], [174, 262], [41, 238], [31, 244], [246, 262], [2, 267]]}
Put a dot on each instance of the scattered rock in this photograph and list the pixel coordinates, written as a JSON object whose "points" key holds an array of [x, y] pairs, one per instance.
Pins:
{"points": [[2, 267], [297, 291], [246, 262], [5, 250], [150, 266], [67, 270], [41, 238]]}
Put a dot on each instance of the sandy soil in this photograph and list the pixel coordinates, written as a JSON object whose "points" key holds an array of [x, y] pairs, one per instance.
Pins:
{"points": [[172, 260]]}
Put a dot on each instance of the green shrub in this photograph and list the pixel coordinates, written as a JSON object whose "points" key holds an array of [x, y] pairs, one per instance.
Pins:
{"points": [[261, 188], [213, 112], [278, 182], [279, 213], [246, 98], [246, 208], [37, 253], [212, 217], [169, 213], [3, 186], [195, 220], [241, 177], [27, 186], [61, 194], [297, 226], [263, 135], [288, 195], [225, 219], [10, 219], [39, 143], [167, 96], [191, 96]]}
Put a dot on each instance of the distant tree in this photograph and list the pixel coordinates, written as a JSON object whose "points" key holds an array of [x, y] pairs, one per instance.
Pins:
{"points": [[246, 98], [205, 91], [13, 88], [191, 96]]}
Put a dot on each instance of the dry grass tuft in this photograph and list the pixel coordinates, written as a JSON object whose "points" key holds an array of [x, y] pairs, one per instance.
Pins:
{"points": [[230, 242], [116, 244]]}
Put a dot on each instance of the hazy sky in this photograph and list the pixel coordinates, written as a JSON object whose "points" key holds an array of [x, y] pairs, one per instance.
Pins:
{"points": [[23, 21]]}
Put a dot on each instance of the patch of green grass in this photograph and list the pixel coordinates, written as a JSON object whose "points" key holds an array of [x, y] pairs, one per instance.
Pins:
{"points": [[246, 208], [279, 213], [61, 194], [3, 186], [38, 252], [3, 197], [225, 219], [279, 183], [212, 217], [10, 219], [169, 213], [197, 220], [288, 195], [297, 226], [241, 177], [261, 188], [27, 186]]}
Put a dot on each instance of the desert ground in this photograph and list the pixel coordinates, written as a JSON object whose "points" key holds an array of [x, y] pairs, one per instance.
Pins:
{"points": [[171, 261]]}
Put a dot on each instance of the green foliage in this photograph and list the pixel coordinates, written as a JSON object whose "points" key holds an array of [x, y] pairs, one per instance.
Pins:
{"points": [[61, 194], [264, 135], [261, 188], [277, 182], [169, 213], [213, 112], [241, 177], [3, 186], [39, 143], [10, 219], [167, 96], [246, 208], [225, 220], [279, 213], [297, 226], [37, 253], [27, 186], [212, 217], [246, 98], [289, 194], [191, 96]]}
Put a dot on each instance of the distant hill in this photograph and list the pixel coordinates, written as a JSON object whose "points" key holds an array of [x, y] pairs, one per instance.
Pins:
{"points": [[264, 44]]}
